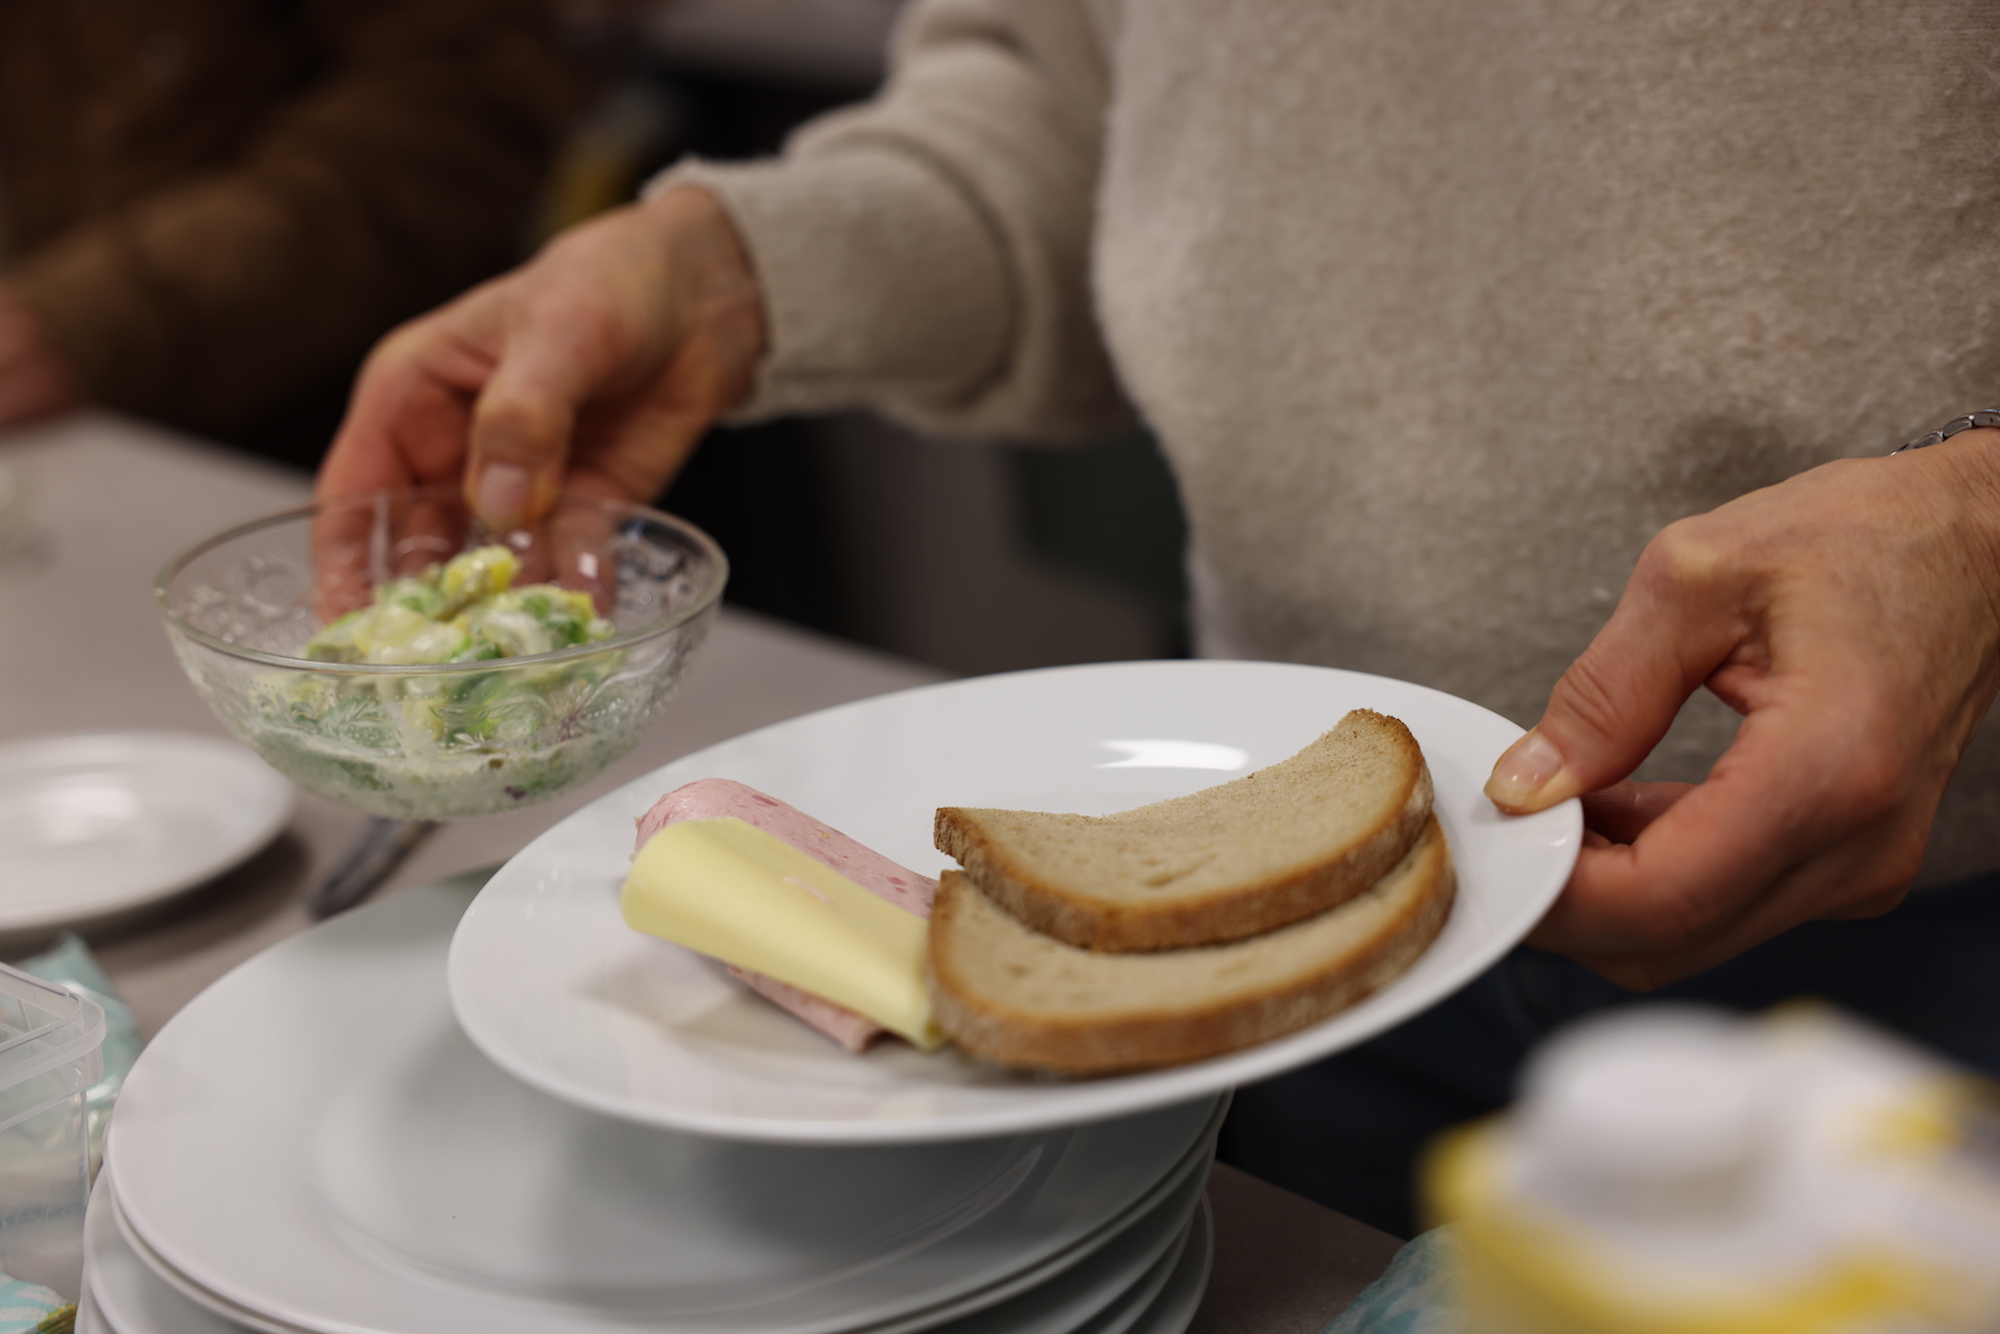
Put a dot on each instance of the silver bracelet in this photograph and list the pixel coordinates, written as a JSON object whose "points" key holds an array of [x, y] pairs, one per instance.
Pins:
{"points": [[1983, 417]]}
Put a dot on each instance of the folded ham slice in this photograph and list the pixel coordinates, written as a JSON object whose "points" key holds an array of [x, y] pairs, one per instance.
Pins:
{"points": [[715, 798]]}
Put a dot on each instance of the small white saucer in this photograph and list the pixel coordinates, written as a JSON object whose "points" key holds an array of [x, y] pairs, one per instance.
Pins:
{"points": [[92, 826]]}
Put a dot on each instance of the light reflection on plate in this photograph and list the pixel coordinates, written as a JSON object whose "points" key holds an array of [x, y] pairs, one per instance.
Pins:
{"points": [[1166, 754]]}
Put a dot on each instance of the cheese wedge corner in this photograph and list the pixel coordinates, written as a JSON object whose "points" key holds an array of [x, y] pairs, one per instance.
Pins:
{"points": [[725, 888]]}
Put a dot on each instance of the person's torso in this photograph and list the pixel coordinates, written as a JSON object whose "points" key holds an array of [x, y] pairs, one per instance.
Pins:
{"points": [[1442, 311]]}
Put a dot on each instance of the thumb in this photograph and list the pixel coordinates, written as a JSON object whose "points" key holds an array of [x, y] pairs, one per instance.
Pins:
{"points": [[1670, 632], [520, 434]]}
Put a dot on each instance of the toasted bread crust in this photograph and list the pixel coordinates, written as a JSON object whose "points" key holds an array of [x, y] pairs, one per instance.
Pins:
{"points": [[1012, 1031], [1072, 914]]}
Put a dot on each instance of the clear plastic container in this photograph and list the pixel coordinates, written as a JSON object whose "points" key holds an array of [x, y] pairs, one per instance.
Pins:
{"points": [[51, 1044]]}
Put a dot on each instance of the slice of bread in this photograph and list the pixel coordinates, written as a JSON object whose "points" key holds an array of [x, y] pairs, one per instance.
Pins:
{"points": [[1010, 994], [1228, 862]]}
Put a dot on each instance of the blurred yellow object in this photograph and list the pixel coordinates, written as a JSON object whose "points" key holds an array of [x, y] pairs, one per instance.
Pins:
{"points": [[1674, 1171], [632, 128]]}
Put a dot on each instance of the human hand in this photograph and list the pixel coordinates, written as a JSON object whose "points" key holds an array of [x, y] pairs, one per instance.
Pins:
{"points": [[1852, 616], [595, 369], [34, 380]]}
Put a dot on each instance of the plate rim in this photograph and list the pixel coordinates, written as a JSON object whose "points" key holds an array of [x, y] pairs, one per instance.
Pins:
{"points": [[1179, 1299], [282, 806], [211, 1303], [1246, 1065], [1197, 1163]]}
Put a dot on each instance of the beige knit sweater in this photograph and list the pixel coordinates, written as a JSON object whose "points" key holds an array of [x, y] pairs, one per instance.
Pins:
{"points": [[1441, 310]]}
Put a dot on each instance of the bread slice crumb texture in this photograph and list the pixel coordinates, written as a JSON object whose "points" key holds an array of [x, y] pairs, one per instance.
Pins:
{"points": [[1006, 992], [1232, 861]]}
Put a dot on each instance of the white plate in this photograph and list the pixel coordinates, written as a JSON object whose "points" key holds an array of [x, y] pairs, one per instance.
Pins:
{"points": [[550, 982], [96, 825], [139, 1293], [313, 1141], [122, 1294], [1125, 1274], [1117, 1316], [1081, 1290], [1109, 1293], [90, 1319], [1173, 1310]]}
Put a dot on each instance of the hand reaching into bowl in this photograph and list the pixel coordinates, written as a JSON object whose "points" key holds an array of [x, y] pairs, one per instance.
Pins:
{"points": [[1852, 616], [593, 370]]}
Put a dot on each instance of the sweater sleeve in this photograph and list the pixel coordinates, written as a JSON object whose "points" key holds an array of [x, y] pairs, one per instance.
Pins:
{"points": [[399, 174], [928, 253]]}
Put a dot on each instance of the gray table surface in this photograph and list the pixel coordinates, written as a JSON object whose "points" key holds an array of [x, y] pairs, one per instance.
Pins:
{"points": [[82, 651]]}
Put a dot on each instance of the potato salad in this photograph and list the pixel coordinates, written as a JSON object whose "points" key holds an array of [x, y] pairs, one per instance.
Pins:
{"points": [[474, 741]]}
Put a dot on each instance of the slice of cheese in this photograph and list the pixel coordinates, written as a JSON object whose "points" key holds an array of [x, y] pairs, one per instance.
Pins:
{"points": [[733, 892]]}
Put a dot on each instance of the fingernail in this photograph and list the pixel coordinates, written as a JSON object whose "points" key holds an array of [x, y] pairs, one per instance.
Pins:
{"points": [[1526, 768], [503, 493]]}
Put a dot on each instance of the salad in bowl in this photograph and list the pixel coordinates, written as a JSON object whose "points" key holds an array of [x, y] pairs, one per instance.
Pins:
{"points": [[391, 653]]}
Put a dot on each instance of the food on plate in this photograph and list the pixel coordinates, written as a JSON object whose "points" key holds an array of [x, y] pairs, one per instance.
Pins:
{"points": [[1077, 944], [1011, 994], [1191, 927], [830, 930], [469, 741], [1231, 861], [710, 798]]}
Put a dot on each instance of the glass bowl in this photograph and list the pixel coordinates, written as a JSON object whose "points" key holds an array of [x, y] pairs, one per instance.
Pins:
{"points": [[437, 741]]}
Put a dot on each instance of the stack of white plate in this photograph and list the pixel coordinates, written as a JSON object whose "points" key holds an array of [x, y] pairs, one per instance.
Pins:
{"points": [[568, 1126], [312, 1145]]}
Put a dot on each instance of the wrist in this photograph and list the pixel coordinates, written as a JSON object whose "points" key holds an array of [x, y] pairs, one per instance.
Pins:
{"points": [[721, 301], [1967, 466]]}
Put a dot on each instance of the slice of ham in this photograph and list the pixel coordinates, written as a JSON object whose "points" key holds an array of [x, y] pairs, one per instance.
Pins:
{"points": [[856, 1032], [713, 798]]}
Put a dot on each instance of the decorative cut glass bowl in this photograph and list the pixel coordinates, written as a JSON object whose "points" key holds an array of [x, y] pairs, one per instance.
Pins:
{"points": [[438, 741]]}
